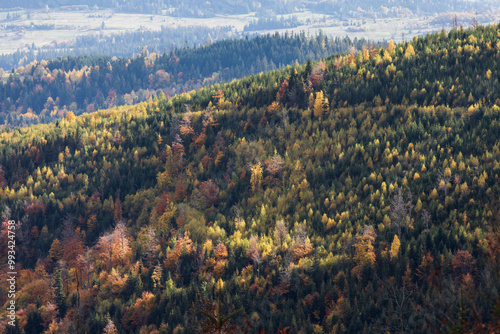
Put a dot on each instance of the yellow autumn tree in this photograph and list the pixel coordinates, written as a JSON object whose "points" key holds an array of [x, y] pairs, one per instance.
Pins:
{"points": [[273, 108], [70, 116], [364, 254], [311, 101], [156, 276], [391, 47], [163, 222], [409, 51], [464, 189], [55, 251], [256, 177], [433, 194], [418, 207], [395, 247], [481, 182], [320, 104]]}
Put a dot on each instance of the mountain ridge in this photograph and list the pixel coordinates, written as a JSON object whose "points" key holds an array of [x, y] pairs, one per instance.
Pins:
{"points": [[48, 90]]}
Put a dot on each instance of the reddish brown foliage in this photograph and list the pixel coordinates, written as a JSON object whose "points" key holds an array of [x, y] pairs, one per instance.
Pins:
{"points": [[463, 263], [142, 308], [117, 214], [33, 208], [209, 193], [219, 94], [220, 251], [275, 165], [186, 128], [71, 250], [309, 299], [180, 190], [205, 161], [35, 232], [162, 204], [317, 74], [199, 140], [282, 90], [178, 150], [301, 250]]}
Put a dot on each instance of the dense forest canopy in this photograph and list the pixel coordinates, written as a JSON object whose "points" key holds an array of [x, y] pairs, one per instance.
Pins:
{"points": [[47, 90], [355, 194]]}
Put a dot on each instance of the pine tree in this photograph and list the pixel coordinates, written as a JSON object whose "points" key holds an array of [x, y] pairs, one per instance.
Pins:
{"points": [[59, 296]]}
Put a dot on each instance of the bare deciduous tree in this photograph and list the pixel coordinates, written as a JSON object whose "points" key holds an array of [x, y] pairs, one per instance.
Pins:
{"points": [[280, 232], [275, 165], [401, 210], [426, 217], [254, 253], [442, 181]]}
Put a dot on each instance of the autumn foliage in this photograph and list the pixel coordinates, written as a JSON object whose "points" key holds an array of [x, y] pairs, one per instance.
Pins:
{"points": [[329, 197]]}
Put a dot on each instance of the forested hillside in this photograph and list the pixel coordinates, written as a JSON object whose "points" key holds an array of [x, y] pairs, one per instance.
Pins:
{"points": [[196, 8], [119, 45], [356, 194], [47, 90]]}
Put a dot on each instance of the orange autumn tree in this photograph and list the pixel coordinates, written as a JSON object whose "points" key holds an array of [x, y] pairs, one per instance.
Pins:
{"points": [[221, 257], [185, 128], [302, 246], [282, 89], [463, 263], [219, 96], [142, 308], [114, 247], [184, 244]]}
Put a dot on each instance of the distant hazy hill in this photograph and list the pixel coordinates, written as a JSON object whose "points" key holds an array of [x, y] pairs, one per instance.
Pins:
{"points": [[198, 8], [47, 90]]}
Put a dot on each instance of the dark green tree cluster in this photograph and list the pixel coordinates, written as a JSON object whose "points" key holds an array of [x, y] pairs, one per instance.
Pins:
{"points": [[272, 23]]}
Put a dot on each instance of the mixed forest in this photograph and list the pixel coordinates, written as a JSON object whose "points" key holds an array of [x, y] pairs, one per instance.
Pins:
{"points": [[43, 91], [195, 8], [357, 194], [124, 44]]}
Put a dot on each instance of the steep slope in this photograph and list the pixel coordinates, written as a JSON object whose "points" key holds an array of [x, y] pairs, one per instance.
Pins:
{"points": [[359, 194]]}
